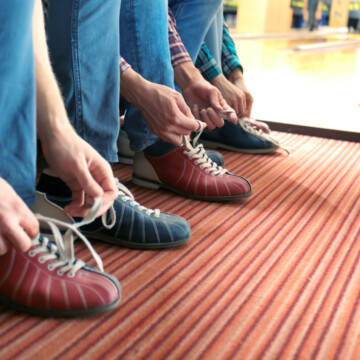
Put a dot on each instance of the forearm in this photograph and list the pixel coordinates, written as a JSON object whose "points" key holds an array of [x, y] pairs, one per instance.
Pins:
{"points": [[186, 74], [51, 113], [133, 86]]}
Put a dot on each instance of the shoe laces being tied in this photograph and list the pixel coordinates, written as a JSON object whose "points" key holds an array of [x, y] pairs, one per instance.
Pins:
{"points": [[255, 131], [196, 151], [128, 196], [63, 249]]}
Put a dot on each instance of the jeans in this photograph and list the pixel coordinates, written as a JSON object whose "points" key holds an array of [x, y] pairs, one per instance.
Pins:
{"points": [[214, 37], [312, 6], [83, 39], [145, 46], [17, 98]]}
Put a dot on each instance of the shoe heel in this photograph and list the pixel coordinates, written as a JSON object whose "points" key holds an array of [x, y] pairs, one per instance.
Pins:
{"points": [[145, 183]]}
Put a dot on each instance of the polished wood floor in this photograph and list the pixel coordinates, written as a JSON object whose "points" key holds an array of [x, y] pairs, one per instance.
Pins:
{"points": [[317, 87]]}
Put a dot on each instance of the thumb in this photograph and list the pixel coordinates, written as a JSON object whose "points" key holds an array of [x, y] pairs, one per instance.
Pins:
{"points": [[216, 100]]}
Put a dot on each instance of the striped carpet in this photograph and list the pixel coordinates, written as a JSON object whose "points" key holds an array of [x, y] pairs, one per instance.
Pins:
{"points": [[274, 276]]}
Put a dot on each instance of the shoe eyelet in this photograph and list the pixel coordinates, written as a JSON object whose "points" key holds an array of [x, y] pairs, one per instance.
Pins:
{"points": [[196, 162], [71, 274], [50, 267], [201, 166], [41, 260], [207, 171], [31, 253], [60, 273]]}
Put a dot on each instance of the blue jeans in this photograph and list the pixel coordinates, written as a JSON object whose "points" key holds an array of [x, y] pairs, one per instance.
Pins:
{"points": [[145, 46], [312, 6], [214, 37], [83, 39], [17, 98]]}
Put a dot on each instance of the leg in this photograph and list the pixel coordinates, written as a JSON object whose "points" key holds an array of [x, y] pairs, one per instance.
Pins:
{"points": [[142, 24], [214, 36], [28, 281], [89, 78], [193, 19], [17, 100]]}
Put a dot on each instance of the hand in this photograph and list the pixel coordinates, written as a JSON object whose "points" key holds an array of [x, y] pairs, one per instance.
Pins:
{"points": [[163, 108], [18, 225], [236, 95], [249, 100], [81, 168], [203, 98]]}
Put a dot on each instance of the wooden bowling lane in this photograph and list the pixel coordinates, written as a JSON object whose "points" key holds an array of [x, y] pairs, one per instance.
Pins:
{"points": [[310, 88]]}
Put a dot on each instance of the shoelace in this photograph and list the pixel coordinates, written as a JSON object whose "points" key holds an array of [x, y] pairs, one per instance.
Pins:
{"points": [[197, 151], [252, 129], [63, 249], [127, 196]]}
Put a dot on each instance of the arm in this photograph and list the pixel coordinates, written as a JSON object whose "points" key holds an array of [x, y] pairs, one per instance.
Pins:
{"points": [[163, 108], [206, 63], [233, 70], [203, 98], [72, 159]]}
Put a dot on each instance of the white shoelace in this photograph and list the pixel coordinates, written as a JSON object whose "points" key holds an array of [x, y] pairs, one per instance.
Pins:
{"points": [[197, 151], [254, 130], [126, 196], [63, 249]]}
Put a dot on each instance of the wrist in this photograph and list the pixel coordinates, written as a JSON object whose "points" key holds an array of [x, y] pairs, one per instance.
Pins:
{"points": [[236, 75], [133, 86], [186, 74], [218, 80], [56, 126]]}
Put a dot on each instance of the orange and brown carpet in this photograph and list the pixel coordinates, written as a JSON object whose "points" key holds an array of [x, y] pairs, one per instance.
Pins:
{"points": [[272, 276]]}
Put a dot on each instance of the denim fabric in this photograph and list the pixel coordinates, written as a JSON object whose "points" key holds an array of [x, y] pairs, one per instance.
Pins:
{"points": [[312, 6], [193, 20], [144, 45], [17, 98], [214, 36], [83, 39]]}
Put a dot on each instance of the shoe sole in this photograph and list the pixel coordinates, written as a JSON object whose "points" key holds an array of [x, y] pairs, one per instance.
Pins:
{"points": [[215, 145], [125, 160], [133, 245], [57, 313], [125, 243], [155, 185]]}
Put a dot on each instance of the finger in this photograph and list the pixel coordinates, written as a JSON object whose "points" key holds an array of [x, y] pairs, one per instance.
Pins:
{"points": [[4, 246], [77, 211], [195, 111], [216, 100], [184, 108], [88, 183], [104, 176], [78, 198], [187, 124], [215, 118], [29, 223], [17, 237], [243, 106], [204, 116]]}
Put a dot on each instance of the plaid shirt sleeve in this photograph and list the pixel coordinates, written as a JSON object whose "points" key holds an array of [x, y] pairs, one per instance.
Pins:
{"points": [[229, 58], [178, 51], [206, 64], [123, 65]]}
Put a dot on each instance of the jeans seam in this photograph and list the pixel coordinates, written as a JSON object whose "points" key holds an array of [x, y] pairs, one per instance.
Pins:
{"points": [[76, 67]]}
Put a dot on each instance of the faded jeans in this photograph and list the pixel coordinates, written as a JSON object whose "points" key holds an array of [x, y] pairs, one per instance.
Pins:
{"points": [[17, 98]]}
